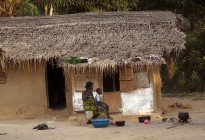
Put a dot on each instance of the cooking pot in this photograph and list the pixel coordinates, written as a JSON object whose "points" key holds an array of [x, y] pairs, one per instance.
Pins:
{"points": [[183, 116]]}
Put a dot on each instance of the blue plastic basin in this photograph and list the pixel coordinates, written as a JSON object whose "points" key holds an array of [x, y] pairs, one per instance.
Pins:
{"points": [[98, 123]]}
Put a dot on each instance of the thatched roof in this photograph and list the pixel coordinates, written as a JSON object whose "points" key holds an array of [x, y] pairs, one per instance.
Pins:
{"points": [[1, 53], [121, 37], [1, 59]]}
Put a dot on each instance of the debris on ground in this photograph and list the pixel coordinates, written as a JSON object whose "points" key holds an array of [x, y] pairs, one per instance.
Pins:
{"points": [[173, 120], [176, 122], [180, 106], [42, 126], [199, 98], [164, 120], [3, 133]]}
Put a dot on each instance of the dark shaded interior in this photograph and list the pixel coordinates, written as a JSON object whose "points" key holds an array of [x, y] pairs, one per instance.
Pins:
{"points": [[55, 86], [111, 82]]}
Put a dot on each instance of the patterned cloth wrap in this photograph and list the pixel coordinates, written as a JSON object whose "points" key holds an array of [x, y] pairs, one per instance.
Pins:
{"points": [[90, 105]]}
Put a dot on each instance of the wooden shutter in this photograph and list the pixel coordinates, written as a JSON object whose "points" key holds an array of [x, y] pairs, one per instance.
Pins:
{"points": [[141, 80], [126, 79]]}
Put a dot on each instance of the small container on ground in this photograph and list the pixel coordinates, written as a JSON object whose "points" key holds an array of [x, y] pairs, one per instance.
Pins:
{"points": [[120, 123], [143, 118]]}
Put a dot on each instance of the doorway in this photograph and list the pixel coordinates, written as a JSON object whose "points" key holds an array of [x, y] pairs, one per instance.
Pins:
{"points": [[55, 86], [111, 88]]}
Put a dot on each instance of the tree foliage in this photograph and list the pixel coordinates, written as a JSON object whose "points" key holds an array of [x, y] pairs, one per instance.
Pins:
{"points": [[49, 7], [9, 8], [190, 66], [28, 8], [75, 6]]}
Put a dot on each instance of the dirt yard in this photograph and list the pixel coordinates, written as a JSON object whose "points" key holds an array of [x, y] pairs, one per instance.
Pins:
{"points": [[156, 130]]}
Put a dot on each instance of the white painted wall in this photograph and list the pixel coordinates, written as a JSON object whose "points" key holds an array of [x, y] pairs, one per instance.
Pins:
{"points": [[77, 101], [139, 101]]}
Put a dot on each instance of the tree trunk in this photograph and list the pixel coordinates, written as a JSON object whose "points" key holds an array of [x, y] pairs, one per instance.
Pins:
{"points": [[46, 9], [10, 10], [51, 10]]}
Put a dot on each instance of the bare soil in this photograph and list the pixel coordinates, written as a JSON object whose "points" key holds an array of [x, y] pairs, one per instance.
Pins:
{"points": [[156, 130]]}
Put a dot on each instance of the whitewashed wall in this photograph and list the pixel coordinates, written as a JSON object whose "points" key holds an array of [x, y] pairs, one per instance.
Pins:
{"points": [[139, 101]]}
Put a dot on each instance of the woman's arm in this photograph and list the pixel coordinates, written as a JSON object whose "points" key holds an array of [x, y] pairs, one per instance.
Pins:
{"points": [[85, 94]]}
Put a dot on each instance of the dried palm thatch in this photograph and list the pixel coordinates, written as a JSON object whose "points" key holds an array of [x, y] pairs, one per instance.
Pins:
{"points": [[1, 53], [2, 66], [116, 38]]}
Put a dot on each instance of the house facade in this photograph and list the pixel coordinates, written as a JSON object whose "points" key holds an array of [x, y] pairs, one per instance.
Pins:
{"points": [[124, 52]]}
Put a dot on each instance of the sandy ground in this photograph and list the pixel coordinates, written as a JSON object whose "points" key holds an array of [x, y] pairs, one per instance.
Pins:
{"points": [[156, 130]]}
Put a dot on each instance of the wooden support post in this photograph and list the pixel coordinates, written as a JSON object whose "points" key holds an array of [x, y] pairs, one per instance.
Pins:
{"points": [[81, 118]]}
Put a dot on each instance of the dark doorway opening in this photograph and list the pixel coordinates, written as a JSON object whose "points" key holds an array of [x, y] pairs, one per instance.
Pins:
{"points": [[111, 82], [55, 86]]}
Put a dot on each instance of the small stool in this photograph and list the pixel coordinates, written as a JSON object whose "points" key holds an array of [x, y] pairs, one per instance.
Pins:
{"points": [[81, 118]]}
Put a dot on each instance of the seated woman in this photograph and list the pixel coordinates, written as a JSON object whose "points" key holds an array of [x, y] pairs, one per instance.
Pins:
{"points": [[88, 100], [89, 103], [100, 103]]}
